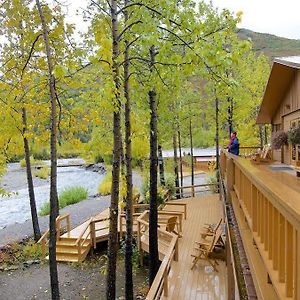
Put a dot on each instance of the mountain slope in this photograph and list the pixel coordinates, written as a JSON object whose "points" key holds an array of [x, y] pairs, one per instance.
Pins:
{"points": [[271, 45]]}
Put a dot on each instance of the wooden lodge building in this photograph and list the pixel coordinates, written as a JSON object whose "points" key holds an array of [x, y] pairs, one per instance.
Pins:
{"points": [[281, 104], [265, 196]]}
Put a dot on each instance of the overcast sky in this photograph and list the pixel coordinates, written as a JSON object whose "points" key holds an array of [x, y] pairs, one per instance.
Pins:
{"points": [[269, 16]]}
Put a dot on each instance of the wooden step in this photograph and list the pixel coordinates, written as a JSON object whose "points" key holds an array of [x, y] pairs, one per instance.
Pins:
{"points": [[71, 243]]}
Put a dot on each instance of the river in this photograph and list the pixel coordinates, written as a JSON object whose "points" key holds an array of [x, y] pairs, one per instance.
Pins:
{"points": [[16, 208]]}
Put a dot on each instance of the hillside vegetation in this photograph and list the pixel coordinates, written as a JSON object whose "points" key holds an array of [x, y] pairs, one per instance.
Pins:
{"points": [[271, 45]]}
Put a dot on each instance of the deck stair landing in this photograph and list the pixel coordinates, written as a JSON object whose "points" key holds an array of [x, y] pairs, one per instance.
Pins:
{"points": [[67, 249]]}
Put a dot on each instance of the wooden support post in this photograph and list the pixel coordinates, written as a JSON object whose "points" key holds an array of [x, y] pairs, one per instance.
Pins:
{"points": [[281, 267], [297, 265], [230, 176], [276, 239], [289, 254], [254, 213], [68, 225], [193, 191], [58, 228], [93, 234]]}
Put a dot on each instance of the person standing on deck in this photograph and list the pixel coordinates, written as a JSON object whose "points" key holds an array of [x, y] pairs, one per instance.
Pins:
{"points": [[234, 145]]}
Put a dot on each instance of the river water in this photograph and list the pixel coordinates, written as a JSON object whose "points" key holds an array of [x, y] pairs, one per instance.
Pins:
{"points": [[16, 208]]}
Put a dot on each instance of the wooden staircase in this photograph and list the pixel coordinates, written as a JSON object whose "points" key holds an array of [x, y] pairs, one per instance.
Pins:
{"points": [[67, 250]]}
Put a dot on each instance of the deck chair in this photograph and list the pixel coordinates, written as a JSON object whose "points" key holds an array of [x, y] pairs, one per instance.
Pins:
{"points": [[210, 229], [205, 248], [170, 224], [264, 156]]}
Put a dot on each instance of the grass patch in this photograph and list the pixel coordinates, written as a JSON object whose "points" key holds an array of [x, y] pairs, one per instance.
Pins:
{"points": [[69, 196], [43, 172], [33, 162], [20, 252]]}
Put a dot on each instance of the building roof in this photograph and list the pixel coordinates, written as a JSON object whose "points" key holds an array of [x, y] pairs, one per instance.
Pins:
{"points": [[282, 73], [198, 152]]}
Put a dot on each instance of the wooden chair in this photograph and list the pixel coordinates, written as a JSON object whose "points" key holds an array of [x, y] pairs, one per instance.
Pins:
{"points": [[173, 206], [210, 229], [264, 156], [170, 224], [205, 248]]}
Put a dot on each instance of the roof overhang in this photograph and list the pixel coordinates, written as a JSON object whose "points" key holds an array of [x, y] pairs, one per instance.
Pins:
{"points": [[282, 73]]}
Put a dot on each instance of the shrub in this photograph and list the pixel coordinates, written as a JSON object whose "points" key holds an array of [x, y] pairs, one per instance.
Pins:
{"points": [[170, 183], [213, 179], [69, 196], [23, 162], [42, 173], [104, 187], [294, 135], [278, 139], [45, 209]]}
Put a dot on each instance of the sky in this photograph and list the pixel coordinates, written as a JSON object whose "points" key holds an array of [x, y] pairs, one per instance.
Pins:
{"points": [[268, 16]]}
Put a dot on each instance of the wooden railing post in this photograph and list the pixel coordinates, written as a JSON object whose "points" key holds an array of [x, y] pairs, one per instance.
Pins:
{"points": [[68, 225], [165, 284], [57, 228], [93, 234], [229, 175]]}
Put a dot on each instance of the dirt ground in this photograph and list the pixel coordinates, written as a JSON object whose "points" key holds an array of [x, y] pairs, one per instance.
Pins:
{"points": [[77, 281]]}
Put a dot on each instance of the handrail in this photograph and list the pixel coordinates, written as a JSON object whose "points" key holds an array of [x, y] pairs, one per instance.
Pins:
{"points": [[83, 231], [160, 282], [44, 237], [268, 205]]}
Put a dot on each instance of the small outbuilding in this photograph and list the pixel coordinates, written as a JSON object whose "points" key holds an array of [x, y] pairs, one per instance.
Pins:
{"points": [[281, 104]]}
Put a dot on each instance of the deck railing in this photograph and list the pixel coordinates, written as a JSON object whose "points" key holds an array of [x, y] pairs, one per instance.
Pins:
{"points": [[59, 228], [160, 283], [194, 189], [273, 219]]}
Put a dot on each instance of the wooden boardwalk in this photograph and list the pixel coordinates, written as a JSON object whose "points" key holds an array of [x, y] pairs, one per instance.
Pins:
{"points": [[201, 283]]}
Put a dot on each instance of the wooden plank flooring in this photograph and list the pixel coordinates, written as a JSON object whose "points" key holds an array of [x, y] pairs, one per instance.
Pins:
{"points": [[201, 283]]}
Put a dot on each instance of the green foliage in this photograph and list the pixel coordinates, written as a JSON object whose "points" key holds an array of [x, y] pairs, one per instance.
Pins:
{"points": [[69, 196], [170, 183], [32, 162], [135, 254], [43, 172], [213, 179], [104, 187], [20, 252], [45, 209], [294, 135]]}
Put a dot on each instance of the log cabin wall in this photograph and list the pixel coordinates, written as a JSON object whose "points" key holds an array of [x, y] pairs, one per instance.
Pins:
{"points": [[287, 113]]}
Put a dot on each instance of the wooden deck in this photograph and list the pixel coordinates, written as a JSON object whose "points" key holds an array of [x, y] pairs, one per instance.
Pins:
{"points": [[202, 282]]}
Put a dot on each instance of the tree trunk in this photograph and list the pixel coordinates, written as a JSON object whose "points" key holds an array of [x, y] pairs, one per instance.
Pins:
{"points": [[176, 166], [230, 115], [192, 154], [261, 139], [34, 215], [113, 224], [180, 161], [266, 134], [53, 173], [128, 157], [153, 243], [161, 166], [217, 142]]}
